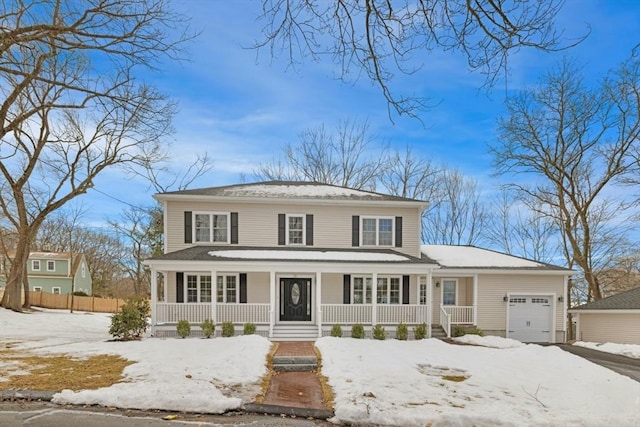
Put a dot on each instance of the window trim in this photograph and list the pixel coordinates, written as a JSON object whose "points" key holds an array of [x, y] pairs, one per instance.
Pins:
{"points": [[198, 288], [422, 290], [53, 290], [37, 289], [51, 262], [303, 230], [225, 289], [387, 279], [211, 214], [33, 265], [455, 290], [364, 290], [377, 219]]}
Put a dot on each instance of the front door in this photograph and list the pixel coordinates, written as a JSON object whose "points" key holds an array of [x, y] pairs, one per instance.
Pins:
{"points": [[295, 300]]}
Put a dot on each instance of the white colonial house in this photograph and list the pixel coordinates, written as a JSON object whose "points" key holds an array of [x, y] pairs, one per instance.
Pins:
{"points": [[296, 258]]}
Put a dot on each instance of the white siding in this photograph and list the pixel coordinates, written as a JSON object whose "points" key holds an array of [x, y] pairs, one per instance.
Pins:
{"points": [[609, 326], [258, 223]]}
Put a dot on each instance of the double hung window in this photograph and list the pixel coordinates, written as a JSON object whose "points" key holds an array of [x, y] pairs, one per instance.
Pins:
{"points": [[377, 231], [51, 266], [449, 291], [227, 289], [35, 265], [362, 290], [211, 227], [388, 290], [198, 288], [295, 229]]}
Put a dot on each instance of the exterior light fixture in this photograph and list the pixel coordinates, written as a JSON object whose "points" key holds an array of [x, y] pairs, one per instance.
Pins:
{"points": [[505, 298]]}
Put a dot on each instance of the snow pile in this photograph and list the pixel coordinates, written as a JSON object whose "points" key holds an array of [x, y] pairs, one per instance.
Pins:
{"points": [[488, 341], [629, 350], [308, 255], [417, 383], [470, 256]]}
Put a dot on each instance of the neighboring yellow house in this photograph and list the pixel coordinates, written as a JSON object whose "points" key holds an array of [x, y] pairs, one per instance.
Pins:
{"points": [[614, 319], [295, 258]]}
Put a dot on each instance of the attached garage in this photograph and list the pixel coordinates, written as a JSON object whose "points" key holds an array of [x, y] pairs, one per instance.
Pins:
{"points": [[530, 318]]}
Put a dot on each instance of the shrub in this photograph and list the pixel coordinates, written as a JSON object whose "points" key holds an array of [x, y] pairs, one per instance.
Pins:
{"points": [[357, 331], [183, 328], [80, 294], [249, 329], [402, 332], [131, 322], [208, 328], [420, 331], [459, 331], [378, 332], [228, 330], [336, 331]]}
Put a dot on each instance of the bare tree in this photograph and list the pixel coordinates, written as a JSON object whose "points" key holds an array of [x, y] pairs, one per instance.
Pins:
{"points": [[380, 38], [457, 215], [576, 142], [342, 158], [71, 106], [407, 175]]}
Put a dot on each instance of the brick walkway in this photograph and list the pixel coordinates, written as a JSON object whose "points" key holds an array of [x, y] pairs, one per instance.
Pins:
{"points": [[295, 389]]}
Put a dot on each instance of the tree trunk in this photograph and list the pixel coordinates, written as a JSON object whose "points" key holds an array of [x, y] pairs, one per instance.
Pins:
{"points": [[12, 298], [25, 287]]}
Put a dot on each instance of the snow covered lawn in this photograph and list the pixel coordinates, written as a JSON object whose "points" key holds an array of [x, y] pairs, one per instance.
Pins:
{"points": [[387, 382], [629, 350]]}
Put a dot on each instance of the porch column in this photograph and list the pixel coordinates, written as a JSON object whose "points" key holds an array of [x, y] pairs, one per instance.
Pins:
{"points": [[475, 299], [374, 299], [429, 302], [272, 302], [214, 296], [154, 297], [165, 279], [319, 302]]}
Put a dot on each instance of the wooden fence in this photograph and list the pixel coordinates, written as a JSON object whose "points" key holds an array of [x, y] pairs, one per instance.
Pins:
{"points": [[60, 301]]}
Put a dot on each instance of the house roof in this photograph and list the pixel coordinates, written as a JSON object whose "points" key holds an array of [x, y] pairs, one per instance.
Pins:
{"points": [[288, 190], [628, 300], [472, 257], [244, 253]]}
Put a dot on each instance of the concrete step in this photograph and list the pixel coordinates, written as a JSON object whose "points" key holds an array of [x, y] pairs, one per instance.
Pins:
{"points": [[287, 367], [294, 360]]}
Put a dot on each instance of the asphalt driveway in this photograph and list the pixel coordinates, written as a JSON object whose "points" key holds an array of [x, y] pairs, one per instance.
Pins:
{"points": [[624, 365]]}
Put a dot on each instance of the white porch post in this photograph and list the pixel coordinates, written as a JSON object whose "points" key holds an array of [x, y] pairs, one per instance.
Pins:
{"points": [[165, 280], [154, 298], [214, 296], [319, 302], [272, 302], [429, 302], [475, 299], [374, 299]]}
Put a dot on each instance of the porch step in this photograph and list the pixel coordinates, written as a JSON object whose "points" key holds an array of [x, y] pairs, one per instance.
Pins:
{"points": [[295, 363], [295, 333], [437, 331]]}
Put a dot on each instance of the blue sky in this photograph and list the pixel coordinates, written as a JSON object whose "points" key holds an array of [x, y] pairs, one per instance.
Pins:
{"points": [[241, 106]]}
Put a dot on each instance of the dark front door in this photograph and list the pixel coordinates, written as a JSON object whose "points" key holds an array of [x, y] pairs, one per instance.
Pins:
{"points": [[295, 299]]}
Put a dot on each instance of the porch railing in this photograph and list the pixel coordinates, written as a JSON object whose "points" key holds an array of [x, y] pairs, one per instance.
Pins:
{"points": [[445, 321], [346, 314], [199, 312], [459, 313]]}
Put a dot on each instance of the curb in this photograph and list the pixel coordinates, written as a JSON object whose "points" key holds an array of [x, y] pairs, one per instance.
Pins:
{"points": [[28, 395], [259, 408]]}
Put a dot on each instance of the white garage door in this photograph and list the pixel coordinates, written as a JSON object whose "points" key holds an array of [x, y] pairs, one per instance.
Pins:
{"points": [[530, 318]]}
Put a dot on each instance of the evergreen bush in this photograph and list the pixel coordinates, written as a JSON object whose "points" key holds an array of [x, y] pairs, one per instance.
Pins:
{"points": [[208, 328], [378, 332], [249, 329], [402, 332], [459, 331], [131, 321], [228, 330], [183, 328], [420, 331], [336, 331], [357, 331]]}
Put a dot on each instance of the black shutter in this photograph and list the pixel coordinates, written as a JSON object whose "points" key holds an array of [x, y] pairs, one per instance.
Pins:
{"points": [[405, 289], [309, 226], [187, 227], [234, 228], [355, 230], [281, 229], [243, 288], [346, 289], [180, 287], [398, 232]]}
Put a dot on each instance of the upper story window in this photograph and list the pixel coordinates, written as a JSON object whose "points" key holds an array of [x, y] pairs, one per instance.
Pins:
{"points": [[51, 266], [295, 229], [377, 231], [211, 227], [35, 265]]}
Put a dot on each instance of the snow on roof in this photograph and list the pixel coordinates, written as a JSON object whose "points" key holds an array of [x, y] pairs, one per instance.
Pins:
{"points": [[471, 256], [309, 255]]}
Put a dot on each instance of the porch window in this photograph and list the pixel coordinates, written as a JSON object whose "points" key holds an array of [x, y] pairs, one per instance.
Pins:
{"points": [[227, 289], [388, 290], [198, 288], [211, 227], [362, 290], [423, 291], [449, 292], [295, 229], [377, 231]]}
